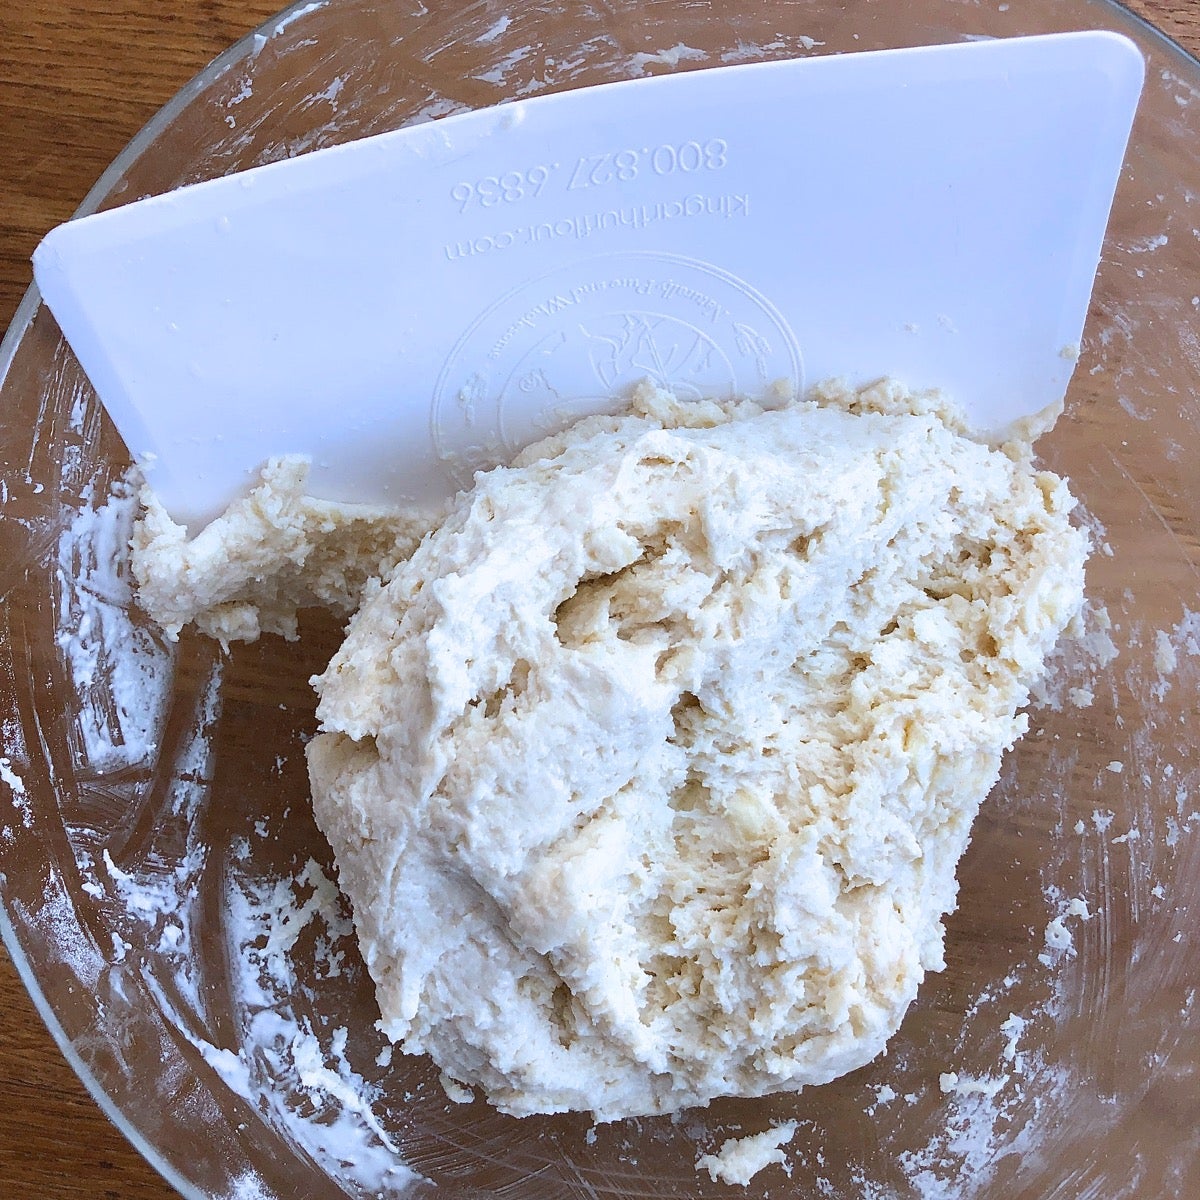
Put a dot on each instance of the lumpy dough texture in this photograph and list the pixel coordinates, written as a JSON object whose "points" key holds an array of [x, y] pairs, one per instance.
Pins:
{"points": [[269, 555], [648, 773]]}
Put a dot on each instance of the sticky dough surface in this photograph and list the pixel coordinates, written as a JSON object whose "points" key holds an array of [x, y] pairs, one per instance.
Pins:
{"points": [[271, 554], [648, 773]]}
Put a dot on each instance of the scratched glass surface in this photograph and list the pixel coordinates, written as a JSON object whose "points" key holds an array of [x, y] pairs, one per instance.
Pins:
{"points": [[167, 896]]}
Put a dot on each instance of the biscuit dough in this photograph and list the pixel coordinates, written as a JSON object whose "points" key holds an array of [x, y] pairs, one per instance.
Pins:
{"points": [[269, 555], [647, 774]]}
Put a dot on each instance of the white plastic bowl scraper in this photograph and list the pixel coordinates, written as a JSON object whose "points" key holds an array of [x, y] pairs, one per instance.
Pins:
{"points": [[410, 307]]}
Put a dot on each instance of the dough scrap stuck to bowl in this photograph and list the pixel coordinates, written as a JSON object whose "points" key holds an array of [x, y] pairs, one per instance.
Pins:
{"points": [[272, 553], [648, 773]]}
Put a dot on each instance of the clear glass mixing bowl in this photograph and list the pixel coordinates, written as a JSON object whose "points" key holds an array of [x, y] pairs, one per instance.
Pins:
{"points": [[166, 893]]}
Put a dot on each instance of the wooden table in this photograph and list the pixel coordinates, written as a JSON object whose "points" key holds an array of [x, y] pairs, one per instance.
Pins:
{"points": [[78, 78]]}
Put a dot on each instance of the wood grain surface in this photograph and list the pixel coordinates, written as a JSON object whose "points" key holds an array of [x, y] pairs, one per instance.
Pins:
{"points": [[78, 78]]}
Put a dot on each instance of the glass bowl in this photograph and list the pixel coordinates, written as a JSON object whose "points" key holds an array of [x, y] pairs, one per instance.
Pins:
{"points": [[167, 897]]}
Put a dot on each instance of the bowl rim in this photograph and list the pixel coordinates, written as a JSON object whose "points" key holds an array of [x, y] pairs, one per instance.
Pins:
{"points": [[1135, 24]]}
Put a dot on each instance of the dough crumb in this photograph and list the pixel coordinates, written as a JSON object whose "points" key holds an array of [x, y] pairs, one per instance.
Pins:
{"points": [[1058, 936], [1165, 658], [456, 1092], [740, 1159], [1013, 1028]]}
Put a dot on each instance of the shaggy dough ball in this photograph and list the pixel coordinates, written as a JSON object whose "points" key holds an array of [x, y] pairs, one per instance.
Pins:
{"points": [[648, 773]]}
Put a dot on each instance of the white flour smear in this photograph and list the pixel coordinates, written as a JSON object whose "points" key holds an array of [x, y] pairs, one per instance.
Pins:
{"points": [[291, 1071], [290, 1068], [119, 668]]}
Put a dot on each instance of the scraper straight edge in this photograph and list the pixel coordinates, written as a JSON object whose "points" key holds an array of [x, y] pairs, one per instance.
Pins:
{"points": [[417, 305]]}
